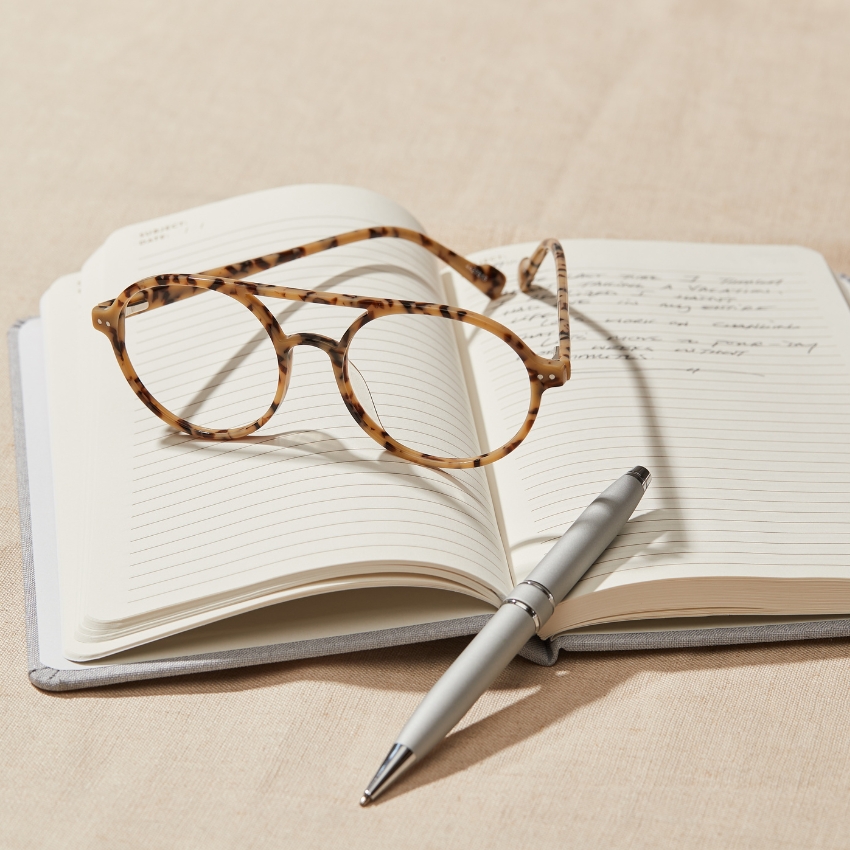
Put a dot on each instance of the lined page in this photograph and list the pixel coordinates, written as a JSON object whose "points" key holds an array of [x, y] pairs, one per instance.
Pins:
{"points": [[212, 528], [723, 369]]}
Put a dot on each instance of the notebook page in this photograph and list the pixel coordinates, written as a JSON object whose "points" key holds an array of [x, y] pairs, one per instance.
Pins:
{"points": [[724, 370], [208, 529], [60, 316]]}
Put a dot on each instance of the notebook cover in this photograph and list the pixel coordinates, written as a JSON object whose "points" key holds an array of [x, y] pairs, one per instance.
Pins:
{"points": [[538, 651]]}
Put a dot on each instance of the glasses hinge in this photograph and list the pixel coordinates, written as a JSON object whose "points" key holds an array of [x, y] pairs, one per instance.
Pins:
{"points": [[132, 309]]}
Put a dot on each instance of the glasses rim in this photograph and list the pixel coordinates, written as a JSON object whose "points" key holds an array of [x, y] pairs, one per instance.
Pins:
{"points": [[159, 290]]}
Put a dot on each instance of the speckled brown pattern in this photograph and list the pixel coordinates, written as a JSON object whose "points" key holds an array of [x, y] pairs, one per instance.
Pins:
{"points": [[487, 278], [152, 292], [527, 271]]}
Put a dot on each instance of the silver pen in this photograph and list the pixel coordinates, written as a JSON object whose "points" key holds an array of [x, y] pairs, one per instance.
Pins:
{"points": [[530, 604]]}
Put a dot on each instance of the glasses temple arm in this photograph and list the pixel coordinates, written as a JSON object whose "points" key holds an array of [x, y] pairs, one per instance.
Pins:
{"points": [[527, 271], [487, 278]]}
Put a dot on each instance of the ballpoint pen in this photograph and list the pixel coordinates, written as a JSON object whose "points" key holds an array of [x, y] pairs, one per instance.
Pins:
{"points": [[523, 612]]}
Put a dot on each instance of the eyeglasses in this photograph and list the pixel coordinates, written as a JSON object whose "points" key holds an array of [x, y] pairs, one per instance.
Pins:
{"points": [[393, 365]]}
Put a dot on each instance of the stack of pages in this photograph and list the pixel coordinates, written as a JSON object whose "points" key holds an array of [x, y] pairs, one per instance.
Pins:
{"points": [[724, 369]]}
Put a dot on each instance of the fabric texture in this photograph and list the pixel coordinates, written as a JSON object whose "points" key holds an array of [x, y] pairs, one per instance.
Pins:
{"points": [[492, 123]]}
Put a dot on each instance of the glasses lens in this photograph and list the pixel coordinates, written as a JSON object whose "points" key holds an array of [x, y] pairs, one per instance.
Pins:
{"points": [[206, 359], [405, 373]]}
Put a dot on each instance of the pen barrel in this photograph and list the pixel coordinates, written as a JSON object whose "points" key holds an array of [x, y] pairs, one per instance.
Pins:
{"points": [[530, 604], [588, 537], [475, 669]]}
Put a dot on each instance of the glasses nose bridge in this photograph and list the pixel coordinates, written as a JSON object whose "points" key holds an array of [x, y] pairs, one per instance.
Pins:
{"points": [[330, 346]]}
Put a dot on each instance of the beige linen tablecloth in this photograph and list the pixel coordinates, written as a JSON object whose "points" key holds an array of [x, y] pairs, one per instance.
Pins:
{"points": [[492, 122]]}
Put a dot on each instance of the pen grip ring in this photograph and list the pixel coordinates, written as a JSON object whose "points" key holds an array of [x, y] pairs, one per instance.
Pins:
{"points": [[541, 588], [534, 599], [525, 607]]}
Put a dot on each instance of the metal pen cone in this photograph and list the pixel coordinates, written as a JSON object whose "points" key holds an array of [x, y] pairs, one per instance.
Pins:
{"points": [[398, 760]]}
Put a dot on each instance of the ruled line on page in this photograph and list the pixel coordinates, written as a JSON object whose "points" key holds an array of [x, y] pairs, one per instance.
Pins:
{"points": [[204, 557], [254, 565], [238, 523]]}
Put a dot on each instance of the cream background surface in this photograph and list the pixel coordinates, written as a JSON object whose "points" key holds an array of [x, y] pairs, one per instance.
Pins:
{"points": [[492, 123]]}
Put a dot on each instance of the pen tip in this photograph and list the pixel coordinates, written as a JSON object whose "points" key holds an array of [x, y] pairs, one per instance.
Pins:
{"points": [[399, 758]]}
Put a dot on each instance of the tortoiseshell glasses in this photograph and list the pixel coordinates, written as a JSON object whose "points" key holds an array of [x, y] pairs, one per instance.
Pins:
{"points": [[392, 365]]}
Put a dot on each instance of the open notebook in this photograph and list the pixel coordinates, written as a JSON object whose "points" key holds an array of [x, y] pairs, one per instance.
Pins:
{"points": [[723, 369]]}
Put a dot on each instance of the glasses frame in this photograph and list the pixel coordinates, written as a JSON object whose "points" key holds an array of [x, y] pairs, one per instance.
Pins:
{"points": [[109, 318]]}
